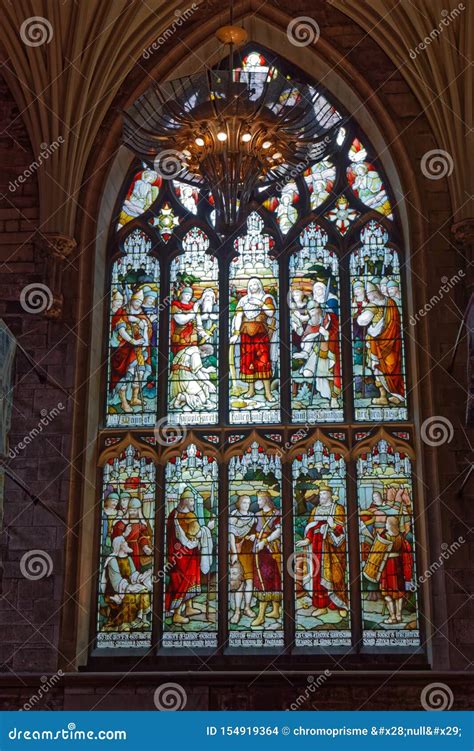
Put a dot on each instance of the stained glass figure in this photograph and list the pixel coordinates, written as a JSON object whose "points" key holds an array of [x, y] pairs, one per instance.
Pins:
{"points": [[143, 191], [188, 195], [133, 337], [254, 332], [342, 215], [255, 550], [387, 548], [320, 181], [366, 182], [377, 339], [194, 331], [126, 551], [316, 388], [190, 570], [165, 222], [320, 563], [284, 206]]}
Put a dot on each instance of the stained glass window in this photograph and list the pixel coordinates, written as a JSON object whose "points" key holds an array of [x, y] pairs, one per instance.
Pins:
{"points": [[194, 333], [387, 547], [377, 333], [316, 392], [126, 551], [133, 337], [307, 297], [254, 328], [190, 571], [142, 193], [320, 566], [255, 550]]}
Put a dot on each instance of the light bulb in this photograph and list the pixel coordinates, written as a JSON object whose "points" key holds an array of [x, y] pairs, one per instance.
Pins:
{"points": [[277, 155], [221, 136], [247, 137], [266, 144], [199, 141]]}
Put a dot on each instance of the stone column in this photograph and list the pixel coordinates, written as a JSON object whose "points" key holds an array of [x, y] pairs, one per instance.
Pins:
{"points": [[53, 250], [463, 233]]}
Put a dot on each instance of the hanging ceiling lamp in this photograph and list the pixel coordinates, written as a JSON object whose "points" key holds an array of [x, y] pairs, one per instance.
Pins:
{"points": [[232, 130]]}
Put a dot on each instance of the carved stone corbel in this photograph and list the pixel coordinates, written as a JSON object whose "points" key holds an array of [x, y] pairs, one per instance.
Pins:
{"points": [[53, 250]]}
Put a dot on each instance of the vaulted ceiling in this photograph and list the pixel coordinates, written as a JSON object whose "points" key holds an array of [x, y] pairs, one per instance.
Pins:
{"points": [[66, 86]]}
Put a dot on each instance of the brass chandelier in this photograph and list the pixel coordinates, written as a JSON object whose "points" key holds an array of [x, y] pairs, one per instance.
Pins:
{"points": [[232, 131]]}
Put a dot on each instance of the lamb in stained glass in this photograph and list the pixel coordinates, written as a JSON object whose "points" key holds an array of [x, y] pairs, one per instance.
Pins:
{"points": [[254, 340], [316, 390]]}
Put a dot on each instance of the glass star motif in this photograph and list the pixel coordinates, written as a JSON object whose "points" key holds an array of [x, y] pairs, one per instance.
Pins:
{"points": [[342, 215]]}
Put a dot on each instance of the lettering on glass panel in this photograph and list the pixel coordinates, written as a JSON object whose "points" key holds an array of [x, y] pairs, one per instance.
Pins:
{"points": [[377, 338], [316, 387], [254, 333], [387, 548], [126, 551], [320, 565], [255, 550], [194, 334], [190, 571], [133, 337]]}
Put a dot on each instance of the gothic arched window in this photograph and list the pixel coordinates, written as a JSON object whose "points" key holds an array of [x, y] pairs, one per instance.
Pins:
{"points": [[256, 450]]}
